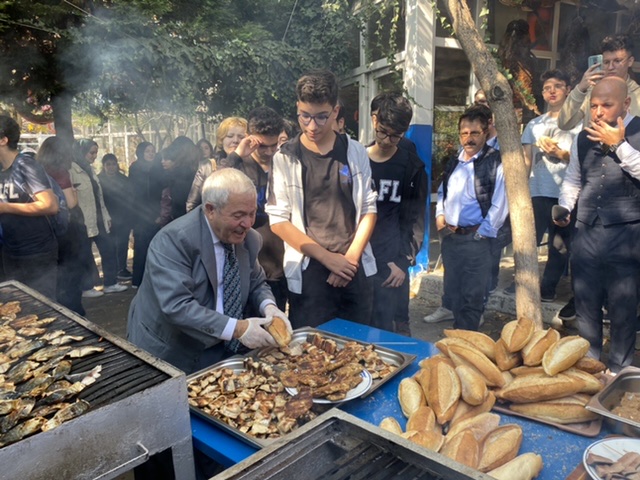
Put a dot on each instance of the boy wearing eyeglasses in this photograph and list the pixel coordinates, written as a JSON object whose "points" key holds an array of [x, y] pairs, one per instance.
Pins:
{"points": [[401, 180], [617, 59], [322, 204]]}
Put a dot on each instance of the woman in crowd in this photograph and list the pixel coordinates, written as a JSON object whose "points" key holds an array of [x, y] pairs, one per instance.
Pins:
{"points": [[206, 153], [145, 178], [230, 131], [178, 161], [96, 218], [56, 158], [117, 198]]}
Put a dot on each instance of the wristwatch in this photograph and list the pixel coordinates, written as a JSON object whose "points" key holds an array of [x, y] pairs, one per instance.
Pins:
{"points": [[614, 148], [477, 237]]}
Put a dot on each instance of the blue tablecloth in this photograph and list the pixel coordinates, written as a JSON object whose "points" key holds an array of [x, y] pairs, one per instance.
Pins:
{"points": [[561, 451]]}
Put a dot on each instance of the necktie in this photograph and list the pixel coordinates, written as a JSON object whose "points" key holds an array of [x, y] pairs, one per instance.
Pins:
{"points": [[231, 297]]}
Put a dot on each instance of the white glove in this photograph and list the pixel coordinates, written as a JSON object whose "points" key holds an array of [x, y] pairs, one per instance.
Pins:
{"points": [[271, 311], [255, 336]]}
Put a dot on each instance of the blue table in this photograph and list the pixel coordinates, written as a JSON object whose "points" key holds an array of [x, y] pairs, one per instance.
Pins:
{"points": [[561, 451]]}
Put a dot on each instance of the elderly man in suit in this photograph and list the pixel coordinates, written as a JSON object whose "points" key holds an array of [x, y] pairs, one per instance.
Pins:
{"points": [[201, 272]]}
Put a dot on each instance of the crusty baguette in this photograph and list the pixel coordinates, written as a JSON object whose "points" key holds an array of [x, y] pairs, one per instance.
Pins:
{"points": [[564, 410], [465, 411], [410, 396], [422, 377], [524, 467], [439, 357], [590, 365], [279, 331], [539, 387], [508, 377], [431, 439], [444, 392], [472, 356], [591, 384], [474, 389], [390, 424], [500, 446], [533, 351], [524, 370], [564, 354], [480, 425], [462, 447], [481, 341], [444, 344], [505, 359], [423, 419], [517, 333]]}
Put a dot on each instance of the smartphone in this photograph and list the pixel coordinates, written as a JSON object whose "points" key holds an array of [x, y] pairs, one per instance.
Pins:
{"points": [[595, 59]]}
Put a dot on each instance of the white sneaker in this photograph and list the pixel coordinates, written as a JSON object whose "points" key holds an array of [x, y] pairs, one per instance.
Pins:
{"points": [[115, 288], [440, 315], [93, 293]]}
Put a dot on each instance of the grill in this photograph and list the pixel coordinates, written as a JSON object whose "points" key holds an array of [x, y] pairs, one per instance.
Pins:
{"points": [[138, 407], [337, 446]]}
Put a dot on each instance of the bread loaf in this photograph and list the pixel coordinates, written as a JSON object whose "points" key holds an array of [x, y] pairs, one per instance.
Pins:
{"points": [[279, 331], [444, 392], [462, 447], [524, 370], [410, 396], [473, 388], [524, 467], [505, 359], [461, 354], [591, 384], [590, 365], [500, 446], [564, 410], [422, 377], [444, 344], [540, 342], [439, 357], [480, 425], [431, 439], [539, 387], [422, 420], [390, 424], [465, 411], [481, 341], [508, 378], [564, 354], [517, 333]]}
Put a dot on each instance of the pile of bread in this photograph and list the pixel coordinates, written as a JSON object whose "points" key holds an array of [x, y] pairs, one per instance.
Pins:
{"points": [[537, 373]]}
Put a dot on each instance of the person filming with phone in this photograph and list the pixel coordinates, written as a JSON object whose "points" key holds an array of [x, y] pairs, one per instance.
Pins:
{"points": [[615, 61]]}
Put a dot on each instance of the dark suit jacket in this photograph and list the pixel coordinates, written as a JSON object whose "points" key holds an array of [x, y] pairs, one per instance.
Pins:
{"points": [[173, 315]]}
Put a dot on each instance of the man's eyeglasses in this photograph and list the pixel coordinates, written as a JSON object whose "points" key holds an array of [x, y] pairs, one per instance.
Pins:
{"points": [[616, 62], [473, 134], [393, 138], [321, 119], [557, 86]]}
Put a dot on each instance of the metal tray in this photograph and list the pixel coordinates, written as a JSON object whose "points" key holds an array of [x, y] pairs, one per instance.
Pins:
{"points": [[628, 380], [586, 429], [393, 357]]}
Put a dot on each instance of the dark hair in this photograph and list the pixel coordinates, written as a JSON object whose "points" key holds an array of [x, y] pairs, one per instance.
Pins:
{"points": [[613, 43], [81, 147], [183, 152], [142, 146], [265, 121], [55, 153], [318, 87], [290, 128], [341, 111], [481, 113], [9, 128], [559, 74], [393, 111], [109, 156], [207, 142]]}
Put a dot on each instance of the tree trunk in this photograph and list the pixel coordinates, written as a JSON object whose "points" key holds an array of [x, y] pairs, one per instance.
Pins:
{"points": [[62, 117], [500, 97]]}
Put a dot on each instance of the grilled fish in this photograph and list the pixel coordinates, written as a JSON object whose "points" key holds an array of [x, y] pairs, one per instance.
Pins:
{"points": [[36, 386], [67, 413], [58, 385], [62, 369], [22, 371], [61, 395], [84, 352], [7, 333], [49, 365], [52, 335], [5, 363], [44, 322], [8, 406], [22, 410], [26, 428], [25, 348], [31, 331], [10, 308], [63, 340], [24, 321], [48, 353], [86, 377]]}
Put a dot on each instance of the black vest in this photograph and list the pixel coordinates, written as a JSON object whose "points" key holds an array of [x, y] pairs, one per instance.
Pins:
{"points": [[607, 192]]}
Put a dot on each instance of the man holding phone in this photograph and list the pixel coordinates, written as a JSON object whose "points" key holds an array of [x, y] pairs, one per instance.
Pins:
{"points": [[617, 59]]}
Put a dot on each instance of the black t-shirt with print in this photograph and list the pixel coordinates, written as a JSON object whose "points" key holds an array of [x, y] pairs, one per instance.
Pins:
{"points": [[329, 211], [25, 235]]}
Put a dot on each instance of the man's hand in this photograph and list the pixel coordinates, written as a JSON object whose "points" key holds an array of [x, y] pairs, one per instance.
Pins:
{"points": [[592, 76], [606, 134], [440, 222], [336, 281], [271, 311], [340, 266], [247, 146], [255, 336], [395, 278], [550, 146]]}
